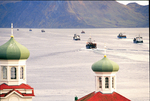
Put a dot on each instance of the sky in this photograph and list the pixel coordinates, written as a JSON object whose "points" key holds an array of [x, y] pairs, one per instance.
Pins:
{"points": [[141, 2]]}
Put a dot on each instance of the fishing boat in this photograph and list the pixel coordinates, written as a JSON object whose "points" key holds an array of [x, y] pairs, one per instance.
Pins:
{"points": [[82, 32], [90, 44], [121, 35], [138, 39], [76, 37], [42, 30], [30, 29]]}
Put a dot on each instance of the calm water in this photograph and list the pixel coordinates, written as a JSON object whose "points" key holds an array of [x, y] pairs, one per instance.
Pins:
{"points": [[59, 68]]}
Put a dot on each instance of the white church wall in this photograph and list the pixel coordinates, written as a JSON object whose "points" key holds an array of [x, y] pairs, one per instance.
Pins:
{"points": [[15, 97]]}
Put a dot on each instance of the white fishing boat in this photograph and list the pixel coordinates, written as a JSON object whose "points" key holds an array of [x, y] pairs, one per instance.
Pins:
{"points": [[76, 37], [138, 39]]}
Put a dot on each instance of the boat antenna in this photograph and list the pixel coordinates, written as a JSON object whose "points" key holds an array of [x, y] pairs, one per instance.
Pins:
{"points": [[105, 50], [12, 30], [90, 38]]}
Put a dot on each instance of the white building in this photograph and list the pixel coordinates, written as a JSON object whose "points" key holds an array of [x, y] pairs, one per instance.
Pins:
{"points": [[105, 82], [13, 85]]}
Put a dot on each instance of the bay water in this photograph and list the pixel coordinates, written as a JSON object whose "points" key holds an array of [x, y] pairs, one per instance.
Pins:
{"points": [[59, 68]]}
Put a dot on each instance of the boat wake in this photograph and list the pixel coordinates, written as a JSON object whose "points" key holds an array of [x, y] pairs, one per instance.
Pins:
{"points": [[124, 50], [94, 49]]}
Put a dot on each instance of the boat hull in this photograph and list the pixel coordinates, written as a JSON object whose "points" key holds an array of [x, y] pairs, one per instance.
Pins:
{"points": [[121, 37], [137, 41], [76, 39], [91, 46]]}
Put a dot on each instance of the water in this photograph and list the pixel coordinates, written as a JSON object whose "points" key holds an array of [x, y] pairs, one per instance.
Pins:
{"points": [[59, 68]]}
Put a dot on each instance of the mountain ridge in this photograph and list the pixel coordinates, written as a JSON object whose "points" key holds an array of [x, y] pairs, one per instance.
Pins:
{"points": [[72, 14]]}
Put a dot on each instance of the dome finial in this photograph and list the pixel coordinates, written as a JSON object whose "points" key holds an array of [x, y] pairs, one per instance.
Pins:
{"points": [[11, 30], [105, 50]]}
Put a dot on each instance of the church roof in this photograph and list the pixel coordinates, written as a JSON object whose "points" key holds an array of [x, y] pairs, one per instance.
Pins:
{"points": [[22, 86], [15, 89], [13, 50], [98, 96], [105, 65]]}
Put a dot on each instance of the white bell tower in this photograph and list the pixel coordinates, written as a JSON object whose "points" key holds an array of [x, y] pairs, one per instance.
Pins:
{"points": [[13, 58], [105, 82], [13, 72], [13, 85], [105, 75]]}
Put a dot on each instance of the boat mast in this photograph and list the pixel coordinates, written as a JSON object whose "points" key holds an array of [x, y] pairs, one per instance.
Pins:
{"points": [[90, 39]]}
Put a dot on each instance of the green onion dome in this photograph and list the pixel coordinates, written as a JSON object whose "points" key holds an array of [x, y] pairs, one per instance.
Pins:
{"points": [[13, 50], [105, 65]]}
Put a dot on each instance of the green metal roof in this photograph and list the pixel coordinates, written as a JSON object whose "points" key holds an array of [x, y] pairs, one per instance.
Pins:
{"points": [[13, 50], [105, 65]]}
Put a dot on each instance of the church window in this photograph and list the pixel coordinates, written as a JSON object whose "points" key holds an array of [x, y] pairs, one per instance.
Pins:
{"points": [[112, 82], [106, 82], [13, 73], [100, 82], [21, 73], [4, 72]]}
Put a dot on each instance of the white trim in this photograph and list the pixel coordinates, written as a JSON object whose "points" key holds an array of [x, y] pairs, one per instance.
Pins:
{"points": [[16, 94], [12, 93], [12, 62]]}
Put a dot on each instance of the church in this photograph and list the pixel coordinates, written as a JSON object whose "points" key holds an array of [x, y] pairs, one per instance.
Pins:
{"points": [[105, 82], [13, 86]]}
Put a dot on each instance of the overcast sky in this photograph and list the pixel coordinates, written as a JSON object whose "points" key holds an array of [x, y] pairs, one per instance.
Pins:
{"points": [[141, 2]]}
